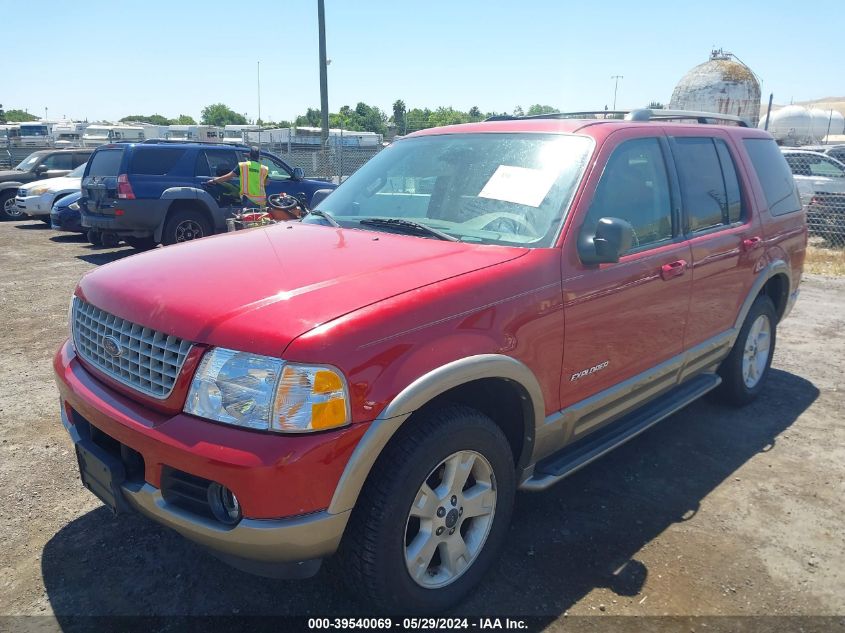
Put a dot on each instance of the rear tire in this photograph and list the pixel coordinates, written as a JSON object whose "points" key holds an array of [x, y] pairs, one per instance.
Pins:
{"points": [[94, 237], [8, 208], [109, 239], [419, 539], [185, 225], [746, 368]]}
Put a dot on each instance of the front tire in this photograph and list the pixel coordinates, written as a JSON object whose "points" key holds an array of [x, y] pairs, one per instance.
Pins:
{"points": [[746, 368], [8, 209], [433, 515], [185, 225]]}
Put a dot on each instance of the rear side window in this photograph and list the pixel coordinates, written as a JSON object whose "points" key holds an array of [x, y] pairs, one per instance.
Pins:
{"points": [[106, 162], [709, 182], [155, 161], [215, 163], [634, 187], [809, 164], [773, 174]]}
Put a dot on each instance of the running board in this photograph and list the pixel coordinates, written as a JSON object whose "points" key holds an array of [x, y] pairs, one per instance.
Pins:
{"points": [[552, 469]]}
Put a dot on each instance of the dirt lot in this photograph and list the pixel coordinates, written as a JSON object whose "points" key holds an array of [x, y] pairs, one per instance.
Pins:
{"points": [[714, 511]]}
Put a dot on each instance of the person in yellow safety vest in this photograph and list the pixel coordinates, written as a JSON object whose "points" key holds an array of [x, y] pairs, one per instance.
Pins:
{"points": [[253, 176]]}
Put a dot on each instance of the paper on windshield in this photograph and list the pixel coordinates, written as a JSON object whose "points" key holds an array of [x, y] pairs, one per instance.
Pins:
{"points": [[519, 185]]}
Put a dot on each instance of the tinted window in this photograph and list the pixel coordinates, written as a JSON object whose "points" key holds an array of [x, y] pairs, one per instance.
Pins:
{"points": [[155, 161], [774, 175], [215, 163], [106, 162], [634, 187], [80, 159], [732, 189], [702, 184], [58, 161]]}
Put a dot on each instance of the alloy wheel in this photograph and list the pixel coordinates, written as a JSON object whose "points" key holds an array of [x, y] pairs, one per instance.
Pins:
{"points": [[188, 230], [755, 355], [450, 519]]}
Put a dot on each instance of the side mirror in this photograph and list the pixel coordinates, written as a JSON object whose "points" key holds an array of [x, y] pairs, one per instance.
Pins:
{"points": [[298, 173], [319, 196], [612, 238], [41, 170]]}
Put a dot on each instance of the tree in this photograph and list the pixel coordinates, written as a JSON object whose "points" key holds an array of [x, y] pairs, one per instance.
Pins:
{"points": [[310, 119], [475, 113], [517, 111], [218, 114], [19, 116], [186, 119], [656, 105], [541, 109], [2, 114], [399, 111], [155, 119]]}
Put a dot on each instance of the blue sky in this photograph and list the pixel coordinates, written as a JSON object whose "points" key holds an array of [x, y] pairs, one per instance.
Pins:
{"points": [[103, 60]]}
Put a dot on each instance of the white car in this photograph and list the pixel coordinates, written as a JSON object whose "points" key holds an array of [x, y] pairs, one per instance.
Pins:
{"points": [[815, 173], [36, 199]]}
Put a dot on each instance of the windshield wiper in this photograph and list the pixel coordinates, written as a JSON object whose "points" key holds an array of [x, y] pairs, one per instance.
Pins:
{"points": [[408, 226], [326, 216]]}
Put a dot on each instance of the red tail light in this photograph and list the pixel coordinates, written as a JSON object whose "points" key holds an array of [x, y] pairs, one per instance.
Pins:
{"points": [[124, 189]]}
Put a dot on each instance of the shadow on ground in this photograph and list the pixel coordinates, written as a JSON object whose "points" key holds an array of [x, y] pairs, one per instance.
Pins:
{"points": [[69, 238], [98, 256], [34, 225], [582, 534]]}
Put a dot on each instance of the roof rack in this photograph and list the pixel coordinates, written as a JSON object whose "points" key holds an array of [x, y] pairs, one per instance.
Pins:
{"points": [[639, 114], [181, 142]]}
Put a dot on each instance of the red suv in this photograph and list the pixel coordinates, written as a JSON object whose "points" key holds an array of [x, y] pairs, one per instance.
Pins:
{"points": [[479, 309]]}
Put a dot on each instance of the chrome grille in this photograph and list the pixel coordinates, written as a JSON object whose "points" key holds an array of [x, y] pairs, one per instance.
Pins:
{"points": [[149, 361]]}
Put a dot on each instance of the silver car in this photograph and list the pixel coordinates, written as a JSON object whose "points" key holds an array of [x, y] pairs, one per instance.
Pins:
{"points": [[821, 185]]}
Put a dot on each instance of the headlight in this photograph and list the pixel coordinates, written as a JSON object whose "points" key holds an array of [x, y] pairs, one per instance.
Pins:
{"points": [[73, 206], [37, 191], [260, 392]]}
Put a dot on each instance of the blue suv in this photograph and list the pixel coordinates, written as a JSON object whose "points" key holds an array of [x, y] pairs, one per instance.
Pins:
{"points": [[156, 192]]}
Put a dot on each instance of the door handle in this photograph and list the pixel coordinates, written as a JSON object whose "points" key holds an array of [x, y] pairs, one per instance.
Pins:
{"points": [[751, 243], [674, 269]]}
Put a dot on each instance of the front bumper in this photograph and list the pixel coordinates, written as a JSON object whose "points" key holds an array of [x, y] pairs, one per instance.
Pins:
{"points": [[35, 205], [292, 546]]}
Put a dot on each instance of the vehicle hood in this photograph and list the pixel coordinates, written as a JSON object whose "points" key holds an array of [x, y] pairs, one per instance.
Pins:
{"points": [[55, 185], [12, 174], [258, 290]]}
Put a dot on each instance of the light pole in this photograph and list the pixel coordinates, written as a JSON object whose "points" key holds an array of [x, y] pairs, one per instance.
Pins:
{"points": [[616, 79], [324, 89]]}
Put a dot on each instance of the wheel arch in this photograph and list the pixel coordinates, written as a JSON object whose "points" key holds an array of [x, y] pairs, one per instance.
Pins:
{"points": [[773, 280], [178, 204], [510, 385]]}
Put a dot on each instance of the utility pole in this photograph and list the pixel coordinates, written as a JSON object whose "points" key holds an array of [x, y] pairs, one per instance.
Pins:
{"points": [[259, 102], [616, 79], [324, 90]]}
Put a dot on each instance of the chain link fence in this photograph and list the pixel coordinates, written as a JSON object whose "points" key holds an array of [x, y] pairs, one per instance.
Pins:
{"points": [[334, 164], [821, 184]]}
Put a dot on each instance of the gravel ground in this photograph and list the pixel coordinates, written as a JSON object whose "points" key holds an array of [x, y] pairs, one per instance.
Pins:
{"points": [[712, 512]]}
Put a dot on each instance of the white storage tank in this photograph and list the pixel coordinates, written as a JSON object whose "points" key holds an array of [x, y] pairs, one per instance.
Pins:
{"points": [[723, 84], [792, 123], [818, 123]]}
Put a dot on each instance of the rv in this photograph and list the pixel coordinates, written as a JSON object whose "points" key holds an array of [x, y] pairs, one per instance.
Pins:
{"points": [[36, 134], [68, 133], [102, 133], [9, 133], [275, 136], [236, 133], [203, 133]]}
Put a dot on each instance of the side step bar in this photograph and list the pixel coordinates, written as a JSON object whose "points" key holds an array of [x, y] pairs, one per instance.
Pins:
{"points": [[571, 458]]}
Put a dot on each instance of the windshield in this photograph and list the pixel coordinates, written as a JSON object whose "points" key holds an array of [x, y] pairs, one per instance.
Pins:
{"points": [[28, 162], [486, 188], [34, 130], [77, 173]]}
